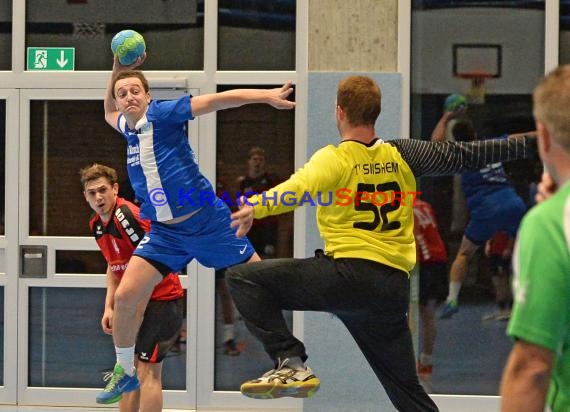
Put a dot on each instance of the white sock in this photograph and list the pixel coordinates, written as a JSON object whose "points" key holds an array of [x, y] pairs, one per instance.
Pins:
{"points": [[126, 358], [229, 332], [454, 288], [425, 359]]}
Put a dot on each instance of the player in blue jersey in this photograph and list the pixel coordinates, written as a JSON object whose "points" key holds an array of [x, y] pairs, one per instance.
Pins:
{"points": [[188, 220], [493, 205]]}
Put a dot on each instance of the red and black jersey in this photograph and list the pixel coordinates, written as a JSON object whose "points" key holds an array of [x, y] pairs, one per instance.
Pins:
{"points": [[118, 239], [429, 244]]}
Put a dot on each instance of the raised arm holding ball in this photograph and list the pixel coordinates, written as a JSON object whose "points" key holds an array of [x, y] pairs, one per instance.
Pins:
{"points": [[188, 220]]}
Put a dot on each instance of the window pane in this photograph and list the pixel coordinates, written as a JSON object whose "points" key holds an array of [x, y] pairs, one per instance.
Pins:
{"points": [[6, 35], [71, 134], [1, 334], [451, 44], [89, 27], [256, 35], [255, 151], [2, 165], [79, 261], [67, 347], [60, 335]]}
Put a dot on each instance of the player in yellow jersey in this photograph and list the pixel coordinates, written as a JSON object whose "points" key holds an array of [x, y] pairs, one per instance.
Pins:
{"points": [[364, 190]]}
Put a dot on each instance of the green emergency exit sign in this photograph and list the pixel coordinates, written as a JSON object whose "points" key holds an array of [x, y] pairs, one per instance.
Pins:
{"points": [[51, 58]]}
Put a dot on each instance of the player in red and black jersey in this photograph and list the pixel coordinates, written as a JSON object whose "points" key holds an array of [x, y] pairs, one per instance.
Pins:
{"points": [[498, 253], [118, 229], [432, 258]]}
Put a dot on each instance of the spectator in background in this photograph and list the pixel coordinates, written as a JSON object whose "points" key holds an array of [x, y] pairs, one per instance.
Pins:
{"points": [[264, 233]]}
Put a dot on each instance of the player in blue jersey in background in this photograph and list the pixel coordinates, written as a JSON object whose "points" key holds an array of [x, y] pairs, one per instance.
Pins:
{"points": [[188, 220], [493, 205]]}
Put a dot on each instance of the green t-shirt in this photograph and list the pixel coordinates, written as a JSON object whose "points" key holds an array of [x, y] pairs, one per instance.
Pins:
{"points": [[541, 286]]}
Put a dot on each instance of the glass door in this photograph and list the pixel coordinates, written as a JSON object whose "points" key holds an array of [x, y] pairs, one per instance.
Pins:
{"points": [[483, 67], [62, 351]]}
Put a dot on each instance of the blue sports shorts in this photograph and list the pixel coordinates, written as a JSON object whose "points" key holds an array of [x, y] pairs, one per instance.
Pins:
{"points": [[499, 211], [206, 236]]}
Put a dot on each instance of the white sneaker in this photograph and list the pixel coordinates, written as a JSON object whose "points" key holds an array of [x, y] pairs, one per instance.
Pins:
{"points": [[283, 381], [499, 314]]}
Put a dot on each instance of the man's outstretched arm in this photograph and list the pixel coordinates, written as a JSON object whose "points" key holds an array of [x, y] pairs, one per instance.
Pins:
{"points": [[212, 102], [448, 158]]}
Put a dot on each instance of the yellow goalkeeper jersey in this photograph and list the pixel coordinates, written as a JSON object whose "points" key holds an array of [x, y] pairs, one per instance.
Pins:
{"points": [[363, 196]]}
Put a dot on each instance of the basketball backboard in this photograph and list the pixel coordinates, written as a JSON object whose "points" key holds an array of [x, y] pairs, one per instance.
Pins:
{"points": [[477, 62], [470, 59]]}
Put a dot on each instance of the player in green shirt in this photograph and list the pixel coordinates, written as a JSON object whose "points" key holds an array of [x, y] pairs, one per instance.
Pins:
{"points": [[538, 368]]}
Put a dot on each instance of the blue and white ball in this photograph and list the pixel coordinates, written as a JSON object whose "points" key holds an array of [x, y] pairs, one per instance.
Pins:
{"points": [[128, 45]]}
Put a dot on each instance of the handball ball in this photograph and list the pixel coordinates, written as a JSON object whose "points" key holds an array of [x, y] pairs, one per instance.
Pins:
{"points": [[128, 45], [454, 102]]}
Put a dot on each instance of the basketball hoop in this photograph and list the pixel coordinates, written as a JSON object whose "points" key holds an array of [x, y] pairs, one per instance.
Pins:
{"points": [[477, 91]]}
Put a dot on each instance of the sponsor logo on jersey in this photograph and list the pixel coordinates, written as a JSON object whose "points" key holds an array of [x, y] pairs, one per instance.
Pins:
{"points": [[131, 233], [133, 155], [119, 267]]}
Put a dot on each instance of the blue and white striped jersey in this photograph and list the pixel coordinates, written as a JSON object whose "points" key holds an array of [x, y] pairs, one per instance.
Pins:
{"points": [[161, 164]]}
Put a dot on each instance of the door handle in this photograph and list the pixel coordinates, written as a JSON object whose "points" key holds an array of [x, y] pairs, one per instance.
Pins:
{"points": [[33, 261]]}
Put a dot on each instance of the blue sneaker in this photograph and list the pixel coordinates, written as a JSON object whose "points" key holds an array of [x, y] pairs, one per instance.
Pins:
{"points": [[119, 383], [450, 309]]}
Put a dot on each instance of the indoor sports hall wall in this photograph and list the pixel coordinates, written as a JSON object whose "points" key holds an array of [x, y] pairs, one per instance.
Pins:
{"points": [[520, 69], [337, 48], [333, 354]]}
